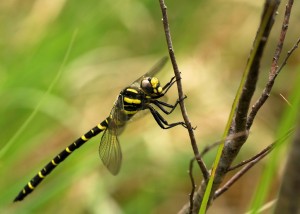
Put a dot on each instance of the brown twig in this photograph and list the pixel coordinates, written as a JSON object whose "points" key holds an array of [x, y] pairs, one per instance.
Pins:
{"points": [[204, 151], [263, 152], [238, 175], [289, 53], [274, 68], [193, 185], [197, 155], [250, 83], [250, 163], [217, 143], [180, 90]]}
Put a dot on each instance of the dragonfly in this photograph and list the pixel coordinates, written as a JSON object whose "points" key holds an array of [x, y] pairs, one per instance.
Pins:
{"points": [[142, 94]]}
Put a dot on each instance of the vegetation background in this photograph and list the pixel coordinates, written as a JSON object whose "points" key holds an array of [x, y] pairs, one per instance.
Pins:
{"points": [[116, 42]]}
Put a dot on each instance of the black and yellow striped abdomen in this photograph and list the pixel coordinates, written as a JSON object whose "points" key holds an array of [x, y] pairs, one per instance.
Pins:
{"points": [[131, 100], [38, 178]]}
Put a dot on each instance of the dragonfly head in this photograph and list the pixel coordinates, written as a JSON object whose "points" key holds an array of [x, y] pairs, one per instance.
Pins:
{"points": [[151, 86]]}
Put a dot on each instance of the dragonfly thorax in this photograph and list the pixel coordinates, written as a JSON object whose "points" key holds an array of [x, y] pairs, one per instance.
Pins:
{"points": [[151, 86]]}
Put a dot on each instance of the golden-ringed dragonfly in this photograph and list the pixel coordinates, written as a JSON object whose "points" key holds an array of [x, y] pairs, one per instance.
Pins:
{"points": [[142, 94]]}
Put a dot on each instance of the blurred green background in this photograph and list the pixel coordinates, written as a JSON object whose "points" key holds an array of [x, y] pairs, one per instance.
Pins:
{"points": [[116, 42]]}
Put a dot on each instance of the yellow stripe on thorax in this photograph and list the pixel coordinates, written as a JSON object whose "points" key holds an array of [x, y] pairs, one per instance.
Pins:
{"points": [[132, 90], [134, 101]]}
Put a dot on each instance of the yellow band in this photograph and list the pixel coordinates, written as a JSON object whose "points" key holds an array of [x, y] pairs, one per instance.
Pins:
{"points": [[41, 175], [53, 162], [129, 100], [101, 127], [30, 185], [84, 138], [132, 90]]}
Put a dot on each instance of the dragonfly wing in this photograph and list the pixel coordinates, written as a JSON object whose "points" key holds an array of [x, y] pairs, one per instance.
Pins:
{"points": [[110, 151]]}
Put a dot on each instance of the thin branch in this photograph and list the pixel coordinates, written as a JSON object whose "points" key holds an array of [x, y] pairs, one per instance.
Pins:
{"points": [[283, 32], [193, 185], [274, 68], [265, 151], [237, 176], [289, 53], [207, 148], [268, 19], [180, 90], [217, 143], [251, 162]]}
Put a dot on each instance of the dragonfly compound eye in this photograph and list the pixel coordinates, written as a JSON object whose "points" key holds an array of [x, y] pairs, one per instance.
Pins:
{"points": [[151, 85]]}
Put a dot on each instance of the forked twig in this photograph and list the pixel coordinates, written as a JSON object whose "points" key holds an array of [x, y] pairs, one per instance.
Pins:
{"points": [[204, 151], [250, 163], [289, 53], [265, 151], [238, 175], [275, 70]]}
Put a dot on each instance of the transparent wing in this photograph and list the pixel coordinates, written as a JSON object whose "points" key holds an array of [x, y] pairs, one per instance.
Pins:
{"points": [[110, 151], [153, 71]]}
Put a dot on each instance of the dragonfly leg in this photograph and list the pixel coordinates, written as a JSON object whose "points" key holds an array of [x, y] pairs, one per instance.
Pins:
{"points": [[163, 123], [161, 105], [168, 85]]}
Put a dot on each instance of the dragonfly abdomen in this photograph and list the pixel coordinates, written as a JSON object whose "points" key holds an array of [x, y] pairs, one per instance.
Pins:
{"points": [[39, 177]]}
